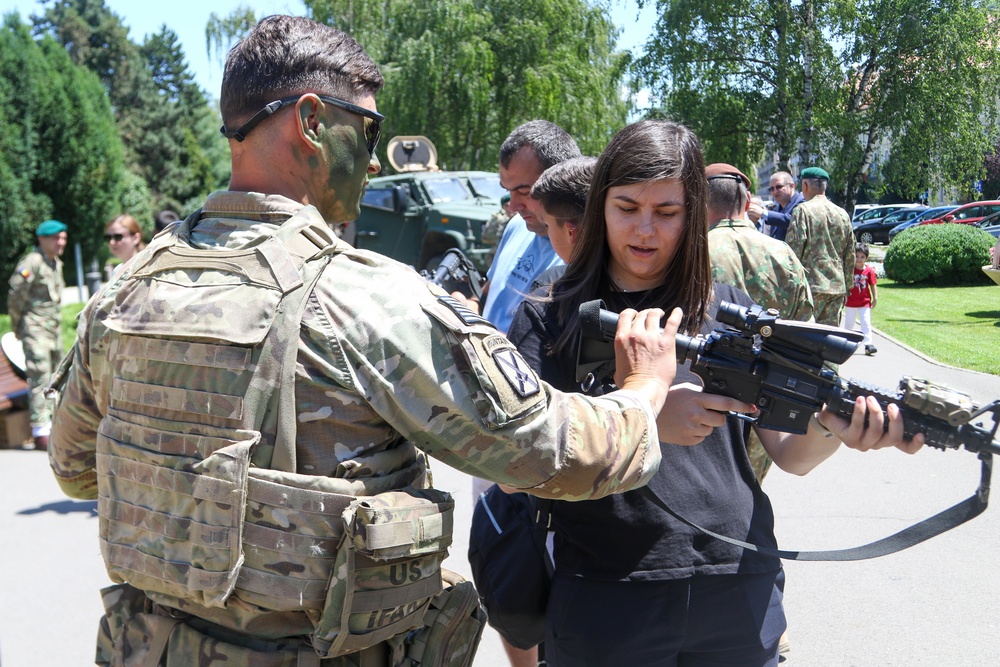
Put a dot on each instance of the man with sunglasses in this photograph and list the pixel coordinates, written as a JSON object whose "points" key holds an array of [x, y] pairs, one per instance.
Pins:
{"points": [[774, 222], [252, 401]]}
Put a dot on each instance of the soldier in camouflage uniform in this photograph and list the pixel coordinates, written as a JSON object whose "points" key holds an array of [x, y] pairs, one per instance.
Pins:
{"points": [[763, 267], [35, 302], [250, 401], [820, 234]]}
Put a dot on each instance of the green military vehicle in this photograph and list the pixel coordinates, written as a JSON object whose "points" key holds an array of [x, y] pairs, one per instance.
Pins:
{"points": [[418, 214]]}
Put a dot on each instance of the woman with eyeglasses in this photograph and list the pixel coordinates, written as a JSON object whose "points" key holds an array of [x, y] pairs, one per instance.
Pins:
{"points": [[124, 238], [634, 585]]}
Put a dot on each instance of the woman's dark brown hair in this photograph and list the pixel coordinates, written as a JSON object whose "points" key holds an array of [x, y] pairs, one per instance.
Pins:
{"points": [[649, 150]]}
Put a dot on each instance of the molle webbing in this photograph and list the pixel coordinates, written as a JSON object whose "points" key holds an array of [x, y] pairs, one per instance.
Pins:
{"points": [[202, 342]]}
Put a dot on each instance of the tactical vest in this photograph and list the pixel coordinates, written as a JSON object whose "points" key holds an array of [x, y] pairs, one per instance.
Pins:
{"points": [[199, 498]]}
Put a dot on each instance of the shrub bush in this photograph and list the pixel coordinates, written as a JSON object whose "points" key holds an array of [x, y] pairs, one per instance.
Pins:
{"points": [[945, 254]]}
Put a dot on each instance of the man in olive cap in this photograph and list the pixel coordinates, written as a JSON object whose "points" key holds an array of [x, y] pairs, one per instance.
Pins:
{"points": [[820, 234], [34, 302]]}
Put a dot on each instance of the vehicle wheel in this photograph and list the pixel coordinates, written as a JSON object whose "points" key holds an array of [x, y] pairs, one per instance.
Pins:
{"points": [[866, 237]]}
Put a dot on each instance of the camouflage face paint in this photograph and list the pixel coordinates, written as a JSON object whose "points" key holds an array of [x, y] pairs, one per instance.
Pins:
{"points": [[347, 162]]}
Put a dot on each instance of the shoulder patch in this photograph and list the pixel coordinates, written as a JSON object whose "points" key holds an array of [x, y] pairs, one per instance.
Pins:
{"points": [[25, 273], [464, 314], [515, 369]]}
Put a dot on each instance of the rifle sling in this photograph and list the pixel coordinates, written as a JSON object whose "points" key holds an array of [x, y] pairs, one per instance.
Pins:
{"points": [[941, 522]]}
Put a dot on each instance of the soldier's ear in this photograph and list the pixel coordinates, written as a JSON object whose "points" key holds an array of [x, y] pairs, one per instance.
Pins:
{"points": [[308, 120]]}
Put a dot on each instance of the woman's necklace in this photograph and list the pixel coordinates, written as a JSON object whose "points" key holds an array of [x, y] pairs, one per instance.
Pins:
{"points": [[617, 287]]}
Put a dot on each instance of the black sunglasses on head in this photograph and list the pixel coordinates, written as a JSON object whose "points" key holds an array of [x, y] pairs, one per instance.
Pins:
{"points": [[373, 126]]}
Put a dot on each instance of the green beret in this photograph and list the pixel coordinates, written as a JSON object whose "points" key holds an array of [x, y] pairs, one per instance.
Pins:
{"points": [[50, 228], [506, 198], [815, 172]]}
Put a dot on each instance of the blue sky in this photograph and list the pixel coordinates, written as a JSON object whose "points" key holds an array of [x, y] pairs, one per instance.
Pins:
{"points": [[188, 18]]}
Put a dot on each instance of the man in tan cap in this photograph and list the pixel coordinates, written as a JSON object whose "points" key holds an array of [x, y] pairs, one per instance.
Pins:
{"points": [[763, 267]]}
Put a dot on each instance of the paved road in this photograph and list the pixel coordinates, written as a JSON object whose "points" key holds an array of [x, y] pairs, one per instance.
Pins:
{"points": [[935, 604]]}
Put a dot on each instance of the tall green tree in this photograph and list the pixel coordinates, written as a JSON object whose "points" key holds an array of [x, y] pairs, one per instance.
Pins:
{"points": [[466, 72], [991, 182], [60, 155], [160, 112], [835, 83]]}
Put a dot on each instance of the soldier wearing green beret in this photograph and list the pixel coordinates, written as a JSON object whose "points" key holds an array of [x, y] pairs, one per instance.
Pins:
{"points": [[252, 402], [34, 301], [820, 234]]}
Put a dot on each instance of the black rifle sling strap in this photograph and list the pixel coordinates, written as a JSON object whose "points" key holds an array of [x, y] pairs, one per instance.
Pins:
{"points": [[941, 522]]}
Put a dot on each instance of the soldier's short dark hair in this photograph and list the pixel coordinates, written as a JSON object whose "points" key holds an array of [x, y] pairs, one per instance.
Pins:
{"points": [[562, 188], [727, 196], [285, 55], [551, 143]]}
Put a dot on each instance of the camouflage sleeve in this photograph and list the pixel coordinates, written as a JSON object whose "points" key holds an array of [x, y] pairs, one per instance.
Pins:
{"points": [[447, 380], [796, 236], [848, 261], [19, 291], [505, 425], [73, 442]]}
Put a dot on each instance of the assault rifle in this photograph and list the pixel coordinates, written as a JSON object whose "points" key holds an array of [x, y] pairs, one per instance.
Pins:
{"points": [[457, 273], [781, 366]]}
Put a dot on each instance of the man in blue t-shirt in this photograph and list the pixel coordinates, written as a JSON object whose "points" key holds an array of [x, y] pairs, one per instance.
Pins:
{"points": [[524, 251]]}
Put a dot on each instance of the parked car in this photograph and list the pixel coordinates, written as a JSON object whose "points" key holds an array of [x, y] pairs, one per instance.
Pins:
{"points": [[935, 212], [877, 213], [991, 224], [967, 214], [415, 216], [877, 231]]}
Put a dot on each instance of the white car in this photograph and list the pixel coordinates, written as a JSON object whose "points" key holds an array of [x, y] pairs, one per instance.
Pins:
{"points": [[871, 213]]}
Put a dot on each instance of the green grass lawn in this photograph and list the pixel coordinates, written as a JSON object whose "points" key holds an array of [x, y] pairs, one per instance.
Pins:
{"points": [[959, 326]]}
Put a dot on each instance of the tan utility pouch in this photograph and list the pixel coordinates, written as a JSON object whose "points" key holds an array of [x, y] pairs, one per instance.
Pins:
{"points": [[453, 626], [387, 569]]}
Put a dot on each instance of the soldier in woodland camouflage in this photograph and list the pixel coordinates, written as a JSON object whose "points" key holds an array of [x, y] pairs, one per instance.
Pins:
{"points": [[251, 401], [763, 267], [35, 305], [820, 234]]}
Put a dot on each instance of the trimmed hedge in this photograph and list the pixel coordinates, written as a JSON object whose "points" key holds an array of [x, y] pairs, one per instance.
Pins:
{"points": [[946, 254]]}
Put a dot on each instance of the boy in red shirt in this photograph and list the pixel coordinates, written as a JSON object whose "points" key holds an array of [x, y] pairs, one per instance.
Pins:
{"points": [[862, 297]]}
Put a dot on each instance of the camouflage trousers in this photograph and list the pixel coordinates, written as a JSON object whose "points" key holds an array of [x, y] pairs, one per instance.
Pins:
{"points": [[136, 632], [42, 353], [829, 308], [759, 460]]}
